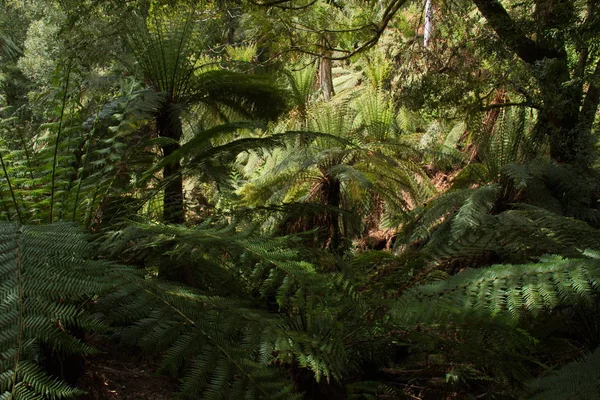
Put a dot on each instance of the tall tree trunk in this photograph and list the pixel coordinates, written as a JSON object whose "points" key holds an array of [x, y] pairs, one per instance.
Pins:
{"points": [[231, 20], [559, 116], [428, 29], [169, 126], [325, 70]]}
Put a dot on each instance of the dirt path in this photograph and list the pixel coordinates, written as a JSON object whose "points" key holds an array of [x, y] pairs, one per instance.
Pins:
{"points": [[118, 374]]}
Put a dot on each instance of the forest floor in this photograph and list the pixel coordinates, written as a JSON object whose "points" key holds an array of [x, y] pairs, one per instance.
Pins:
{"points": [[121, 374]]}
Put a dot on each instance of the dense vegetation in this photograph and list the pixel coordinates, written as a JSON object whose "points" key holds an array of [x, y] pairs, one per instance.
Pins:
{"points": [[302, 199]]}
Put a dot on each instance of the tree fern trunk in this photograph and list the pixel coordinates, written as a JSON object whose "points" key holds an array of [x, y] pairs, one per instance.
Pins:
{"points": [[169, 126], [333, 189]]}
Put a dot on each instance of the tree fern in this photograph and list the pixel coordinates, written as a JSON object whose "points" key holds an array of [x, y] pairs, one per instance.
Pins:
{"points": [[345, 170], [169, 58], [534, 209], [506, 142], [559, 188], [93, 161], [115, 154]]}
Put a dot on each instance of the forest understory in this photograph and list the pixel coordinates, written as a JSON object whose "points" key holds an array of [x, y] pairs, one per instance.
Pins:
{"points": [[299, 199], [117, 374]]}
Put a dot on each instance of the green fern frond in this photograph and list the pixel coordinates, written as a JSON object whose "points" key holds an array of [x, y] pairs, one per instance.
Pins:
{"points": [[538, 208], [577, 380], [301, 82], [45, 274], [375, 116], [472, 214], [435, 212], [507, 292], [219, 335]]}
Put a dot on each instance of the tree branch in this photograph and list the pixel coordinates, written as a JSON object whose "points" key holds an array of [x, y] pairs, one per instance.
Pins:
{"points": [[376, 29], [503, 105], [504, 26]]}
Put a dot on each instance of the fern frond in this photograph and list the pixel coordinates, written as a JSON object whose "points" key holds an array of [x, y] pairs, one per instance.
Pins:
{"points": [[220, 331], [474, 211], [44, 276], [509, 292], [579, 379]]}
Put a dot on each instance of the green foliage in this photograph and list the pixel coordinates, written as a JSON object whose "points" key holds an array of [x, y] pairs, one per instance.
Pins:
{"points": [[172, 59], [537, 208], [114, 156], [510, 292], [577, 380], [222, 345], [361, 153], [257, 305], [39, 168], [45, 278], [256, 300], [456, 153], [73, 168]]}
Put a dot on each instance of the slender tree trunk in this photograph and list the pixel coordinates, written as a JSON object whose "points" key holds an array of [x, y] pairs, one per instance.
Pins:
{"points": [[169, 126], [325, 71], [231, 21], [428, 28]]}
